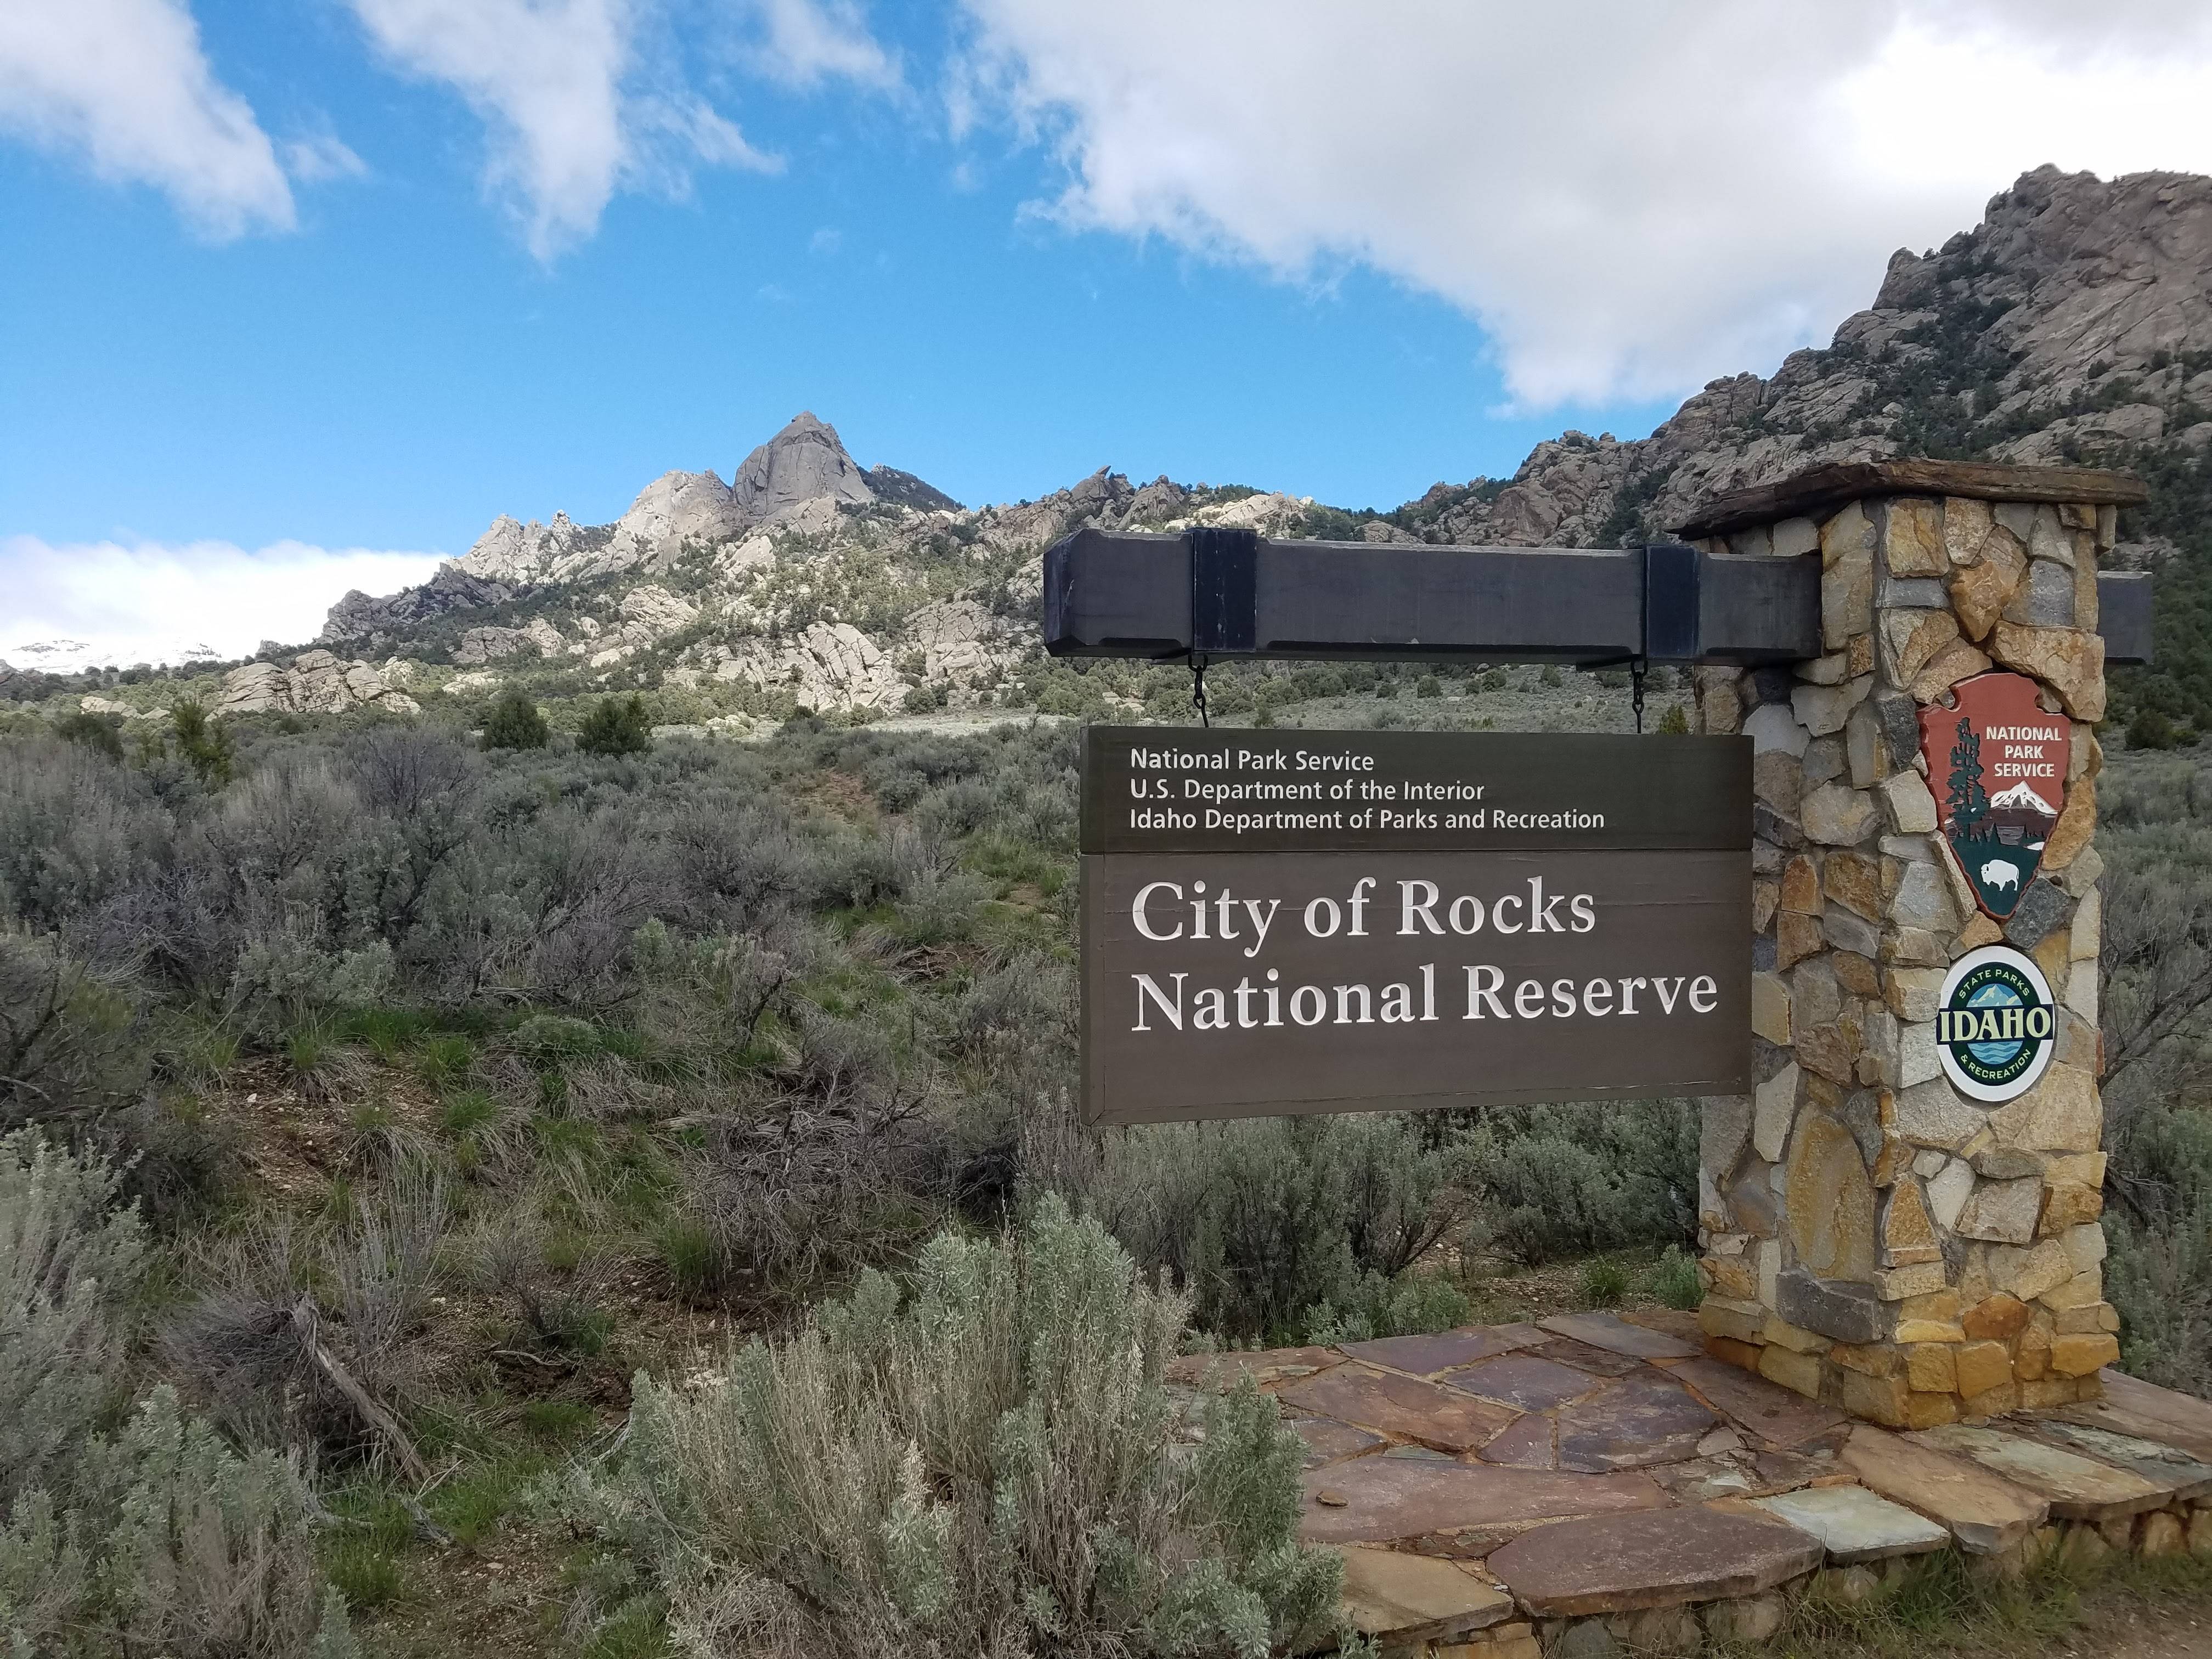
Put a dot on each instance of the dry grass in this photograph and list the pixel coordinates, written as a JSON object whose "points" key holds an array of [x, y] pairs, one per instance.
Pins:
{"points": [[2124, 1608]]}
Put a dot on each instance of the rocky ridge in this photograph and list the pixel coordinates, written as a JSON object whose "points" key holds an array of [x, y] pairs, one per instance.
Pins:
{"points": [[2074, 323]]}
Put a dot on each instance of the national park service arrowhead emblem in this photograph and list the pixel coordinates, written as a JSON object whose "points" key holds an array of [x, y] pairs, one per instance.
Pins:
{"points": [[1997, 765]]}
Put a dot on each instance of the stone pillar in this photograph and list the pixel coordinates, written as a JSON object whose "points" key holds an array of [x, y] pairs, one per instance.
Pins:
{"points": [[1869, 1236]]}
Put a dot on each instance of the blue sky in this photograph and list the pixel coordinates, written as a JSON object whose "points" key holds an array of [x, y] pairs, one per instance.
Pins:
{"points": [[290, 289]]}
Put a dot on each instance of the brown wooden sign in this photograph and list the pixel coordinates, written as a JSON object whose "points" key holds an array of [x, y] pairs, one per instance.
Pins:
{"points": [[1303, 921]]}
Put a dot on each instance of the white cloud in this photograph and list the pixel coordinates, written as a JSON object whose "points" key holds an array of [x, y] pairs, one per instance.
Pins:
{"points": [[1630, 197], [142, 601], [321, 156], [124, 85], [573, 111], [808, 41]]}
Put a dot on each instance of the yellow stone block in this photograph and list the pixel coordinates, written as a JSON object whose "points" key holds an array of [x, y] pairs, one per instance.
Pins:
{"points": [[1982, 1366], [2067, 1204], [2048, 1391], [1942, 1304], [1878, 1399], [1999, 1401], [1729, 1351], [1769, 1008], [1873, 1359], [1783, 1333], [1929, 1368], [1746, 1322], [2160, 1534], [1732, 1276], [2083, 1290], [1929, 1330], [1798, 1372], [2078, 1356], [1926, 1411], [2053, 954]]}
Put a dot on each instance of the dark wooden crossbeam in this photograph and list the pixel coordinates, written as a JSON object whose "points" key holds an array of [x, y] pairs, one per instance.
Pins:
{"points": [[1230, 594]]}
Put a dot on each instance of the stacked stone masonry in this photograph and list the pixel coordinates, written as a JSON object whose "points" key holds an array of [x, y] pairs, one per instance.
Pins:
{"points": [[1870, 1236]]}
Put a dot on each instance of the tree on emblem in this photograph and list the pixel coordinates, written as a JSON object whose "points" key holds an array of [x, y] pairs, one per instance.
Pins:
{"points": [[1967, 801]]}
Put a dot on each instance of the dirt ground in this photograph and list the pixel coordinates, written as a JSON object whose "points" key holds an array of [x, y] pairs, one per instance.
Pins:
{"points": [[2142, 1634]]}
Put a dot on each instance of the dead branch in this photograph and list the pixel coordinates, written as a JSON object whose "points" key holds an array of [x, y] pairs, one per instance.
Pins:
{"points": [[306, 1324]]}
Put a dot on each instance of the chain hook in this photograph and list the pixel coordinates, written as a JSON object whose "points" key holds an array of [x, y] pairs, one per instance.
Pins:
{"points": [[1636, 668], [1198, 690]]}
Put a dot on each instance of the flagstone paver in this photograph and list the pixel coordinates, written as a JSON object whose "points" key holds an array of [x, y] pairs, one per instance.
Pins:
{"points": [[2162, 1465], [2117, 1419], [1526, 1381], [1639, 1420], [1703, 1479], [1424, 1356], [2185, 1412], [1854, 1525], [1571, 1351], [1528, 1445], [1773, 1414], [1619, 1563], [1417, 1598], [1328, 1441], [1985, 1513], [2147, 1411], [1671, 1321], [1384, 1499], [1422, 1412], [1610, 1331], [2077, 1488]]}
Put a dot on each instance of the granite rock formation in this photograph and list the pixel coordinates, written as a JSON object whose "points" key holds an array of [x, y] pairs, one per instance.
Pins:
{"points": [[2072, 322], [314, 682]]}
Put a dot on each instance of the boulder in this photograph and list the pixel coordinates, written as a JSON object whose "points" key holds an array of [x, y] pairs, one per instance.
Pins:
{"points": [[316, 683]]}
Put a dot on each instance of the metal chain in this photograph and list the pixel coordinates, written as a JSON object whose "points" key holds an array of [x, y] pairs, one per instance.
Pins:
{"points": [[1635, 670], [1198, 690]]}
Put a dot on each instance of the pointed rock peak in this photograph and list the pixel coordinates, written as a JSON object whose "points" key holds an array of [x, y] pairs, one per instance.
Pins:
{"points": [[801, 462]]}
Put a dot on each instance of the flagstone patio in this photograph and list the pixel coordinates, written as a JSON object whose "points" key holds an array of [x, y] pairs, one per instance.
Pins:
{"points": [[1496, 1488]]}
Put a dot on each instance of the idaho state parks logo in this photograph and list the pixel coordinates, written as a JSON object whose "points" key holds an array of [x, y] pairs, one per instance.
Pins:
{"points": [[1997, 765], [1995, 1026]]}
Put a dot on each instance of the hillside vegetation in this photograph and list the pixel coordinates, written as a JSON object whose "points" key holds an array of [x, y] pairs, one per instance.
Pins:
{"points": [[460, 1100]]}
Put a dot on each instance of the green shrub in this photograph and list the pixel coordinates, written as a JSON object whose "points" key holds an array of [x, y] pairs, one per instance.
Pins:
{"points": [[1571, 1180], [1278, 1223], [1673, 723], [688, 1250], [2150, 729], [159, 1538], [514, 722], [1676, 1282], [70, 1261], [615, 726], [102, 733], [202, 740], [1602, 1285], [989, 1466]]}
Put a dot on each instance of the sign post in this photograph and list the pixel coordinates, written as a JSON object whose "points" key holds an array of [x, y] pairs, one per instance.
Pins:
{"points": [[1870, 944], [1314, 922]]}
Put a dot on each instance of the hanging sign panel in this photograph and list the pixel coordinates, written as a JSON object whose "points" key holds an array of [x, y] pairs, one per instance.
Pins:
{"points": [[1321, 921]]}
